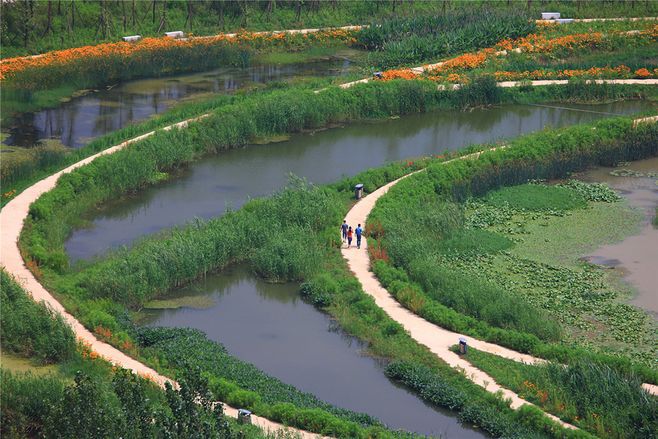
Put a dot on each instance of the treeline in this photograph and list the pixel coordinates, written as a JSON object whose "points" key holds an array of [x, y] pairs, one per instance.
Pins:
{"points": [[33, 26]]}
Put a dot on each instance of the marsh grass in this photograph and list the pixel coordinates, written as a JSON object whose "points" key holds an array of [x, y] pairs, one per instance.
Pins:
{"points": [[591, 395], [536, 197]]}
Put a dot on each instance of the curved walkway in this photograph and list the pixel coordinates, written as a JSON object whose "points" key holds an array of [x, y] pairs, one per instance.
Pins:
{"points": [[11, 223], [437, 339], [16, 211]]}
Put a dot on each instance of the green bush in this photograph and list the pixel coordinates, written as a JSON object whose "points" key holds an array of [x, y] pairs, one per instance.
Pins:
{"points": [[230, 378], [408, 40], [29, 328], [594, 396]]}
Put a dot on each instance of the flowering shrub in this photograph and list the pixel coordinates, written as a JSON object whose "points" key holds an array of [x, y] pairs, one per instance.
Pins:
{"points": [[535, 43], [111, 61]]}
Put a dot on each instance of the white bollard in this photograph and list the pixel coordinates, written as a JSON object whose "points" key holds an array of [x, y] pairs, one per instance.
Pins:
{"points": [[175, 34], [550, 15]]}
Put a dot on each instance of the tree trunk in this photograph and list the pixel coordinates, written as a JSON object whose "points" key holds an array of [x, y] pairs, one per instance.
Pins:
{"points": [[49, 23], [123, 15], [27, 13], [190, 14], [270, 8], [163, 17], [133, 14], [299, 10]]}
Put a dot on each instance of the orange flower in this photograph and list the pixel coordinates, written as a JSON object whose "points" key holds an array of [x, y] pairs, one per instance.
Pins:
{"points": [[642, 73]]}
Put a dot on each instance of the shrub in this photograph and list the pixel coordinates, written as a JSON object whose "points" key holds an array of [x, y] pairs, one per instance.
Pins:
{"points": [[31, 329]]}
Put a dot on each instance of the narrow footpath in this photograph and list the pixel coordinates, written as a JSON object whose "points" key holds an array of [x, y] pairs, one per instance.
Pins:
{"points": [[11, 223], [437, 339]]}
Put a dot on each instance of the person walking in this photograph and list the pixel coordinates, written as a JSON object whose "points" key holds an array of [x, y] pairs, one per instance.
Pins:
{"points": [[349, 237], [358, 232], [343, 229]]}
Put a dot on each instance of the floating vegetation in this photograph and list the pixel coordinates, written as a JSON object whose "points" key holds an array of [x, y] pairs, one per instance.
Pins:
{"points": [[625, 172], [197, 302]]}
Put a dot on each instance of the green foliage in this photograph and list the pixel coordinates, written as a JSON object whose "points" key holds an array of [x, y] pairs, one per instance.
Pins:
{"points": [[536, 197], [428, 384], [240, 383], [494, 418], [26, 402], [399, 40], [594, 396], [550, 154], [107, 406], [593, 191], [29, 328], [474, 241], [481, 299]]}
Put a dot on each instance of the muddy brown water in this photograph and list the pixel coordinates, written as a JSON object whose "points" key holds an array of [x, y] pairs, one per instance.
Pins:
{"points": [[76, 122], [207, 188], [636, 256], [269, 326]]}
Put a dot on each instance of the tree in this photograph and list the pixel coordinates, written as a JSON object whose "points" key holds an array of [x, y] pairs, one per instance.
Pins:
{"points": [[49, 22]]}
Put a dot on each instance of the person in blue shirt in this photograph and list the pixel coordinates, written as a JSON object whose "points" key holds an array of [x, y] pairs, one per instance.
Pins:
{"points": [[343, 229], [358, 232]]}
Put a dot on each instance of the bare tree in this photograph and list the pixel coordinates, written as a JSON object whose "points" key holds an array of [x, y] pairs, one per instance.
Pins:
{"points": [[163, 17], [190, 14], [123, 15], [103, 20], [49, 22], [26, 10], [299, 10]]}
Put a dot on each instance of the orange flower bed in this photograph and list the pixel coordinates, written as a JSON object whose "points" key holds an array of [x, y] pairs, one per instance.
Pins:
{"points": [[595, 72], [399, 74], [12, 66], [532, 44]]}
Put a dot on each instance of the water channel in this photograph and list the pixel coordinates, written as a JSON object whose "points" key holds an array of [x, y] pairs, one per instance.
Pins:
{"points": [[292, 340], [227, 180], [76, 122], [269, 326], [636, 257]]}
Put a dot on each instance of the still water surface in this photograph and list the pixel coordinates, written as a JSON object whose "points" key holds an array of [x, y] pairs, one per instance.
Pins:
{"points": [[269, 326], [78, 121], [636, 256], [207, 188]]}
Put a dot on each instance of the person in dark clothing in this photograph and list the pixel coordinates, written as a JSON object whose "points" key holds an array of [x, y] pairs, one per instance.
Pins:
{"points": [[343, 229]]}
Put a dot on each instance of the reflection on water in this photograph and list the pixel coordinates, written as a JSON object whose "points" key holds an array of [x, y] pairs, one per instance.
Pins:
{"points": [[637, 255], [228, 179], [269, 326], [100, 112]]}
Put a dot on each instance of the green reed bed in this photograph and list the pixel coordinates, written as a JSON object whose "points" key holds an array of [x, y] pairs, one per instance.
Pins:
{"points": [[83, 396], [591, 395], [428, 250], [45, 160], [412, 40], [99, 293]]}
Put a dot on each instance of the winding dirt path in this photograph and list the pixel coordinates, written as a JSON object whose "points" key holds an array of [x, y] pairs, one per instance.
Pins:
{"points": [[13, 215], [11, 223], [437, 339]]}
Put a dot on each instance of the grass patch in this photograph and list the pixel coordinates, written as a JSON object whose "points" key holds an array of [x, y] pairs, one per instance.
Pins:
{"points": [[590, 395], [536, 197]]}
